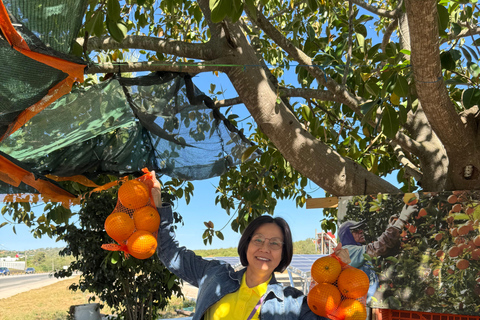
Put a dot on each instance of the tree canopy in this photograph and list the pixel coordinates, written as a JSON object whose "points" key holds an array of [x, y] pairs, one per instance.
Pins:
{"points": [[383, 86]]}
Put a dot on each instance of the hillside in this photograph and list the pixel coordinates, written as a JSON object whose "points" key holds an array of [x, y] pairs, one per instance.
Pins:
{"points": [[47, 259], [299, 247]]}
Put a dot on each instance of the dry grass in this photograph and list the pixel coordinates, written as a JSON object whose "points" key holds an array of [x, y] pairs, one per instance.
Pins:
{"points": [[47, 303], [53, 302]]}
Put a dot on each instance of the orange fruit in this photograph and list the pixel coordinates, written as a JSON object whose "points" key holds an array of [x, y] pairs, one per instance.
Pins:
{"points": [[463, 230], [351, 309], [146, 218], [477, 241], [452, 199], [119, 226], [353, 283], [323, 299], [326, 269], [453, 252], [462, 264], [133, 194], [142, 244]]}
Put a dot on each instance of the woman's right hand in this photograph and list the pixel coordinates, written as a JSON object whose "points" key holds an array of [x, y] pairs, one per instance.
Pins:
{"points": [[156, 191], [342, 253]]}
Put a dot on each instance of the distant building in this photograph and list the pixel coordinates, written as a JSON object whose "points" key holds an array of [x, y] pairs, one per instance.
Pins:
{"points": [[325, 242], [12, 263]]}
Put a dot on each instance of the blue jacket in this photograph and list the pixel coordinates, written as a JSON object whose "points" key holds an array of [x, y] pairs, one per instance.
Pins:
{"points": [[214, 279]]}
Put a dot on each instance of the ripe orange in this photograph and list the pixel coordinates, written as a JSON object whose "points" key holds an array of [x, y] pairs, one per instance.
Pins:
{"points": [[323, 299], [146, 218], [452, 199], [453, 252], [326, 269], [353, 283], [133, 194], [142, 244], [351, 309], [462, 264], [119, 226]]}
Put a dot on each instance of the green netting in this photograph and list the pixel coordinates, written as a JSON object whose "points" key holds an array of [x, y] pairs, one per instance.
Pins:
{"points": [[74, 118], [26, 81], [55, 23], [160, 121], [20, 87]]}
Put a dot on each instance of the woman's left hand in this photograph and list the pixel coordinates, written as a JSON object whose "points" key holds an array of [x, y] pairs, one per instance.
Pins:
{"points": [[343, 254]]}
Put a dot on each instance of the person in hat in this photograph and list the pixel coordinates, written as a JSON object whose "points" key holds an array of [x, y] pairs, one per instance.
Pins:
{"points": [[352, 237]]}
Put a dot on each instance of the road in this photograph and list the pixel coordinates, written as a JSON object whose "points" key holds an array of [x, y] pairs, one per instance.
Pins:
{"points": [[12, 285]]}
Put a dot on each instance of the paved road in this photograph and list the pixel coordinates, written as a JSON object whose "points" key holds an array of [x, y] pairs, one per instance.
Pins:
{"points": [[15, 284]]}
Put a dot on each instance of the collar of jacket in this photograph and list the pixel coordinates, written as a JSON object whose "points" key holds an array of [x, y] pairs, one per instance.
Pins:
{"points": [[273, 286]]}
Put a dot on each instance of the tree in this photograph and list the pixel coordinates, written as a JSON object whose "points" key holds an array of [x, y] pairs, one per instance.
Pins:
{"points": [[405, 99]]}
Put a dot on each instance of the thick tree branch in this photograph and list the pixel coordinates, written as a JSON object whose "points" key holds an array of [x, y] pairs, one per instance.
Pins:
{"points": [[410, 168], [431, 89], [388, 33], [377, 11], [201, 51], [309, 94], [464, 33], [191, 68], [228, 102], [299, 56]]}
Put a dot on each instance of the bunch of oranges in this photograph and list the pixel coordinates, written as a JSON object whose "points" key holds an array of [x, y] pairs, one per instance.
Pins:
{"points": [[338, 292], [134, 222]]}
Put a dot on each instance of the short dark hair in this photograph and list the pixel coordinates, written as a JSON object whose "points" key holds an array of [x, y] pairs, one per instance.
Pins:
{"points": [[287, 249]]}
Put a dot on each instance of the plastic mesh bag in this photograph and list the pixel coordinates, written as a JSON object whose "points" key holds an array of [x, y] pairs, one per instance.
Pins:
{"points": [[134, 222], [338, 291]]}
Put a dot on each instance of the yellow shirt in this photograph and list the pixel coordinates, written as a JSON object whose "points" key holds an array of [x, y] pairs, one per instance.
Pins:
{"points": [[239, 304]]}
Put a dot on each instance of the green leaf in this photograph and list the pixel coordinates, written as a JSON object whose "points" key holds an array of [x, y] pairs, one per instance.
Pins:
{"points": [[248, 153], [466, 54], [113, 10], [394, 99], [312, 4], [219, 235], [443, 18], [471, 97], [392, 259], [361, 41], [447, 61], [456, 28], [171, 282], [390, 122], [237, 11], [401, 86], [307, 113], [372, 87], [220, 9], [3, 224], [251, 8], [311, 32], [115, 257], [367, 109], [473, 68], [117, 29], [98, 28]]}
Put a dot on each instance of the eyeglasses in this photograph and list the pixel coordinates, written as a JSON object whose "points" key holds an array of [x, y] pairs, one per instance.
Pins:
{"points": [[273, 243]]}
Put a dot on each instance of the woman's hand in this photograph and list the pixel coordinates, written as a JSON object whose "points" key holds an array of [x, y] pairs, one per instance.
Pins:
{"points": [[156, 191], [343, 254]]}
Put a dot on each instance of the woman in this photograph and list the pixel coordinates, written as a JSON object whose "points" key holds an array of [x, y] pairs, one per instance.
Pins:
{"points": [[251, 293]]}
